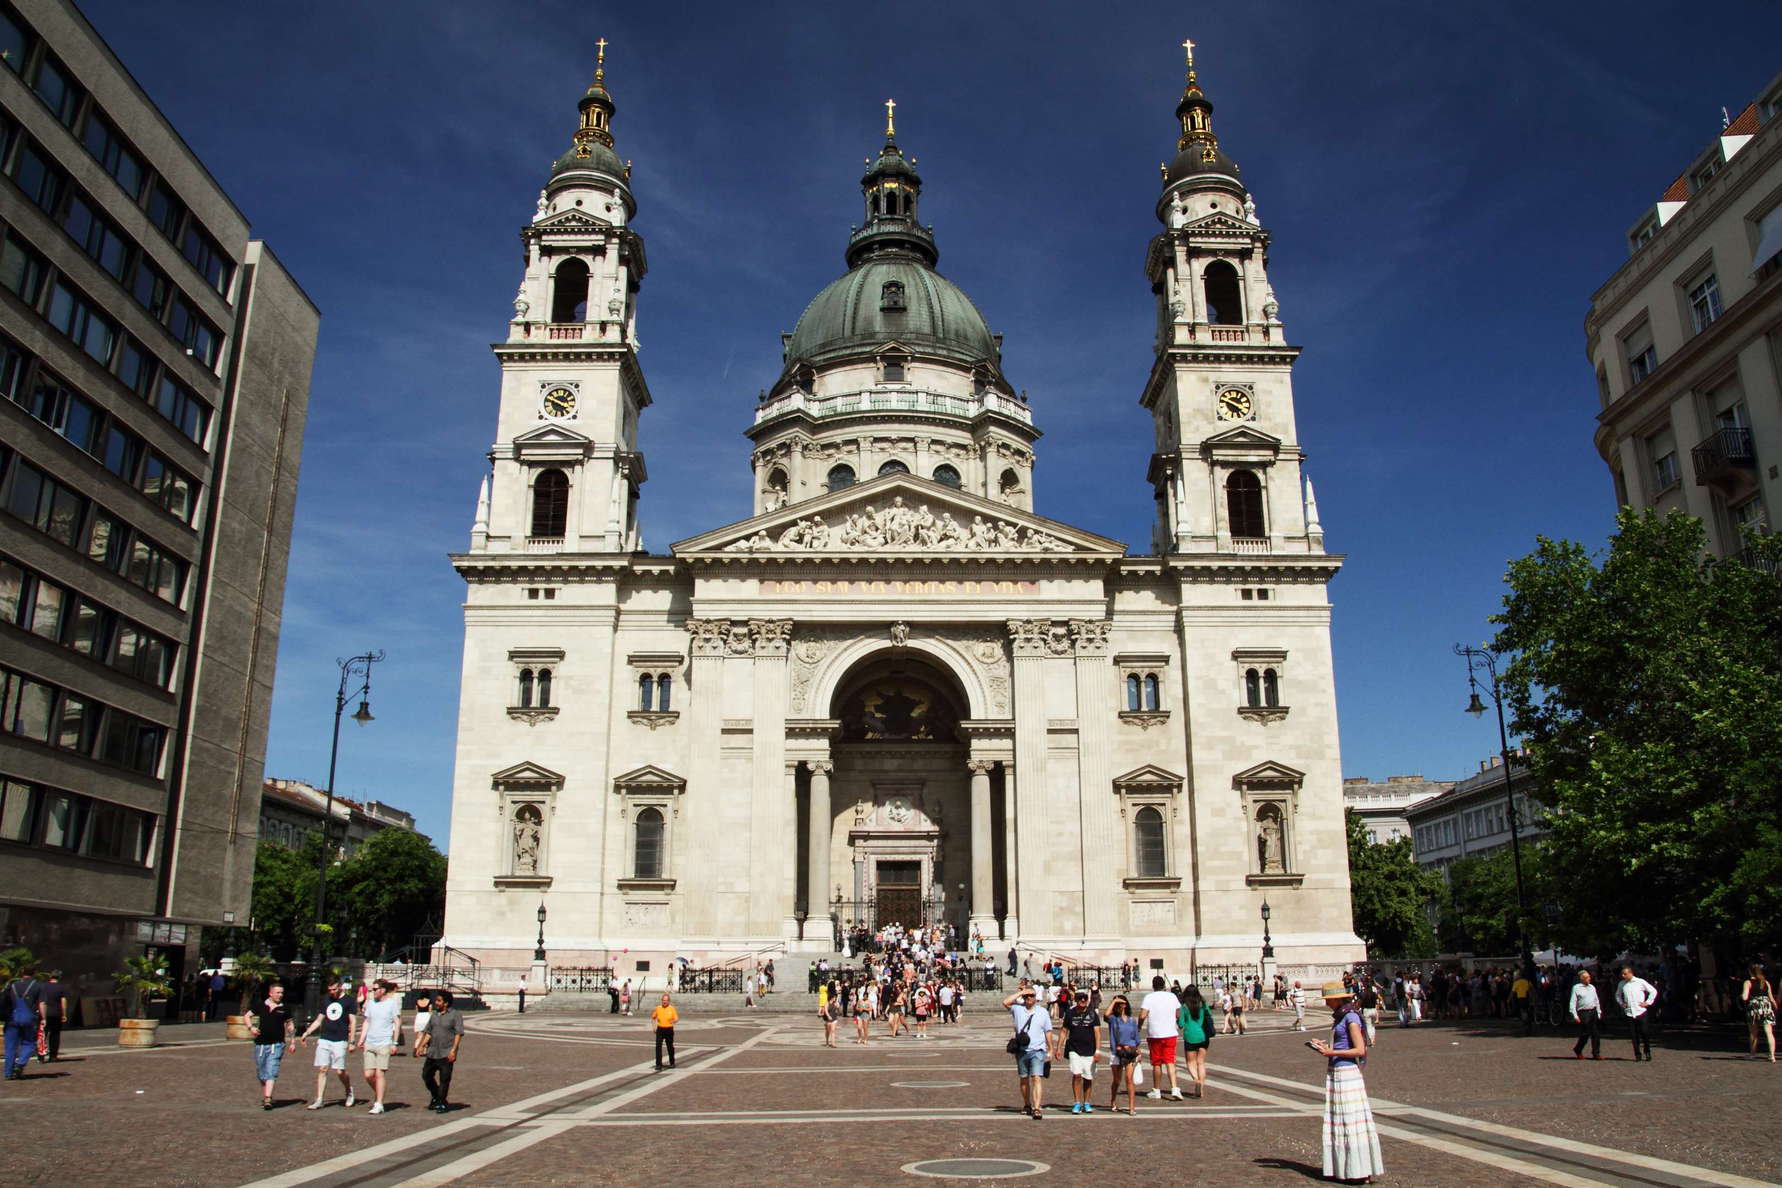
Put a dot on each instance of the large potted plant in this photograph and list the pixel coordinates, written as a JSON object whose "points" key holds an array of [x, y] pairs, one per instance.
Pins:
{"points": [[141, 979], [252, 970]]}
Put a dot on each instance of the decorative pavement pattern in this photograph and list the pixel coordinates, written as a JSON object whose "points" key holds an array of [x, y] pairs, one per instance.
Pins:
{"points": [[574, 1099]]}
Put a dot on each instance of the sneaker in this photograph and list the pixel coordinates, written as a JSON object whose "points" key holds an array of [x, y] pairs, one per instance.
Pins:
{"points": [[314, 1105], [377, 1107], [1076, 1107], [349, 1100], [1087, 1108], [1155, 1094], [1175, 1095]]}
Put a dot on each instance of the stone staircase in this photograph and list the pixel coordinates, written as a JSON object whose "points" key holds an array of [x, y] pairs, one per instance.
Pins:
{"points": [[778, 1003]]}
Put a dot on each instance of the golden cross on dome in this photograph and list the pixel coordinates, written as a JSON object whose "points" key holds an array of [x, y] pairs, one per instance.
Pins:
{"points": [[890, 112], [1188, 49], [600, 48]]}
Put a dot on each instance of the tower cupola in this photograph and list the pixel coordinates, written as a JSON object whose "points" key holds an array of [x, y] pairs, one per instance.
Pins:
{"points": [[892, 189], [1198, 154], [590, 153]]}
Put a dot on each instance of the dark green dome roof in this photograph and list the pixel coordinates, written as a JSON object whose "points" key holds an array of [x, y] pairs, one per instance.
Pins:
{"points": [[936, 317], [1191, 162], [600, 159]]}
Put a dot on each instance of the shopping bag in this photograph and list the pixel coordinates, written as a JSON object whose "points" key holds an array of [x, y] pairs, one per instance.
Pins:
{"points": [[42, 1041], [1138, 1073]]}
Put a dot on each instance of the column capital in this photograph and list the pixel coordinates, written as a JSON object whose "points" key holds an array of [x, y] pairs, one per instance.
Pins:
{"points": [[1090, 636], [980, 767], [820, 767], [708, 636], [771, 637], [1039, 637]]}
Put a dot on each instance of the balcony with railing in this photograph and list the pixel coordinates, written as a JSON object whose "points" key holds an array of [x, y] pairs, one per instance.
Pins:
{"points": [[544, 544], [892, 398], [1249, 544], [600, 330], [1726, 458]]}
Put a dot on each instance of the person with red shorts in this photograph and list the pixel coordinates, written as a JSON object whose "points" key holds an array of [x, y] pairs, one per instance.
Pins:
{"points": [[1157, 1019]]}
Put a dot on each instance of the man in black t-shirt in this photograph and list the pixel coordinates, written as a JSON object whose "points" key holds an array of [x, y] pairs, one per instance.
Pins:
{"points": [[336, 1028], [55, 1013], [1082, 1029]]}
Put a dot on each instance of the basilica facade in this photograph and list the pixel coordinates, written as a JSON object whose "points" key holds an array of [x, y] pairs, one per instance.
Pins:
{"points": [[889, 690]]}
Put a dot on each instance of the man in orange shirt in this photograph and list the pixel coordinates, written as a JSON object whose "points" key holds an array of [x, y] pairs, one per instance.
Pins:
{"points": [[664, 1017]]}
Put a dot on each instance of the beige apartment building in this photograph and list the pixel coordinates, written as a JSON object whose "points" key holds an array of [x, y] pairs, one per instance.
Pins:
{"points": [[154, 381], [1686, 338]]}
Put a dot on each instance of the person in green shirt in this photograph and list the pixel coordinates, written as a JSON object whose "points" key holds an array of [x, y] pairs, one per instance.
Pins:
{"points": [[1195, 1021]]}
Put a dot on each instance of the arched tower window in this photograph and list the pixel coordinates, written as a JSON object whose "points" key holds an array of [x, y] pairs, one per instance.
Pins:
{"points": [[1243, 504], [1224, 303], [776, 489], [646, 849], [550, 503], [894, 467], [947, 476], [569, 292], [1009, 484], [1252, 688], [1147, 836], [1271, 687], [1133, 701], [1151, 691], [664, 684], [544, 688], [646, 689], [841, 475], [525, 688]]}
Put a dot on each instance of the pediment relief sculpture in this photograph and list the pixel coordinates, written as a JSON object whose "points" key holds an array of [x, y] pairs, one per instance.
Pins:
{"points": [[899, 525]]}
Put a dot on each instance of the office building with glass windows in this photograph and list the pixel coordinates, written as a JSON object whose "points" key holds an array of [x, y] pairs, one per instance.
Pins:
{"points": [[154, 364]]}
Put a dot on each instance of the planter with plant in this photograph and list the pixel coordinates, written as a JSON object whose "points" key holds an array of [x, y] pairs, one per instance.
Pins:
{"points": [[141, 979], [252, 971]]}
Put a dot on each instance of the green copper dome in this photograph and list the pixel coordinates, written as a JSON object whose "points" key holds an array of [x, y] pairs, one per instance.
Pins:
{"points": [[597, 159], [860, 310]]}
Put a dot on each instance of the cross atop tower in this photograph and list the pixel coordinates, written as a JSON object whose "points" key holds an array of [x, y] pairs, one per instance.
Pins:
{"points": [[1188, 49], [890, 123], [600, 52]]}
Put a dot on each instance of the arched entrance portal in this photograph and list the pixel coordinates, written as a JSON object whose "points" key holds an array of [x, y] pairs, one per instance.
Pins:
{"points": [[900, 838]]}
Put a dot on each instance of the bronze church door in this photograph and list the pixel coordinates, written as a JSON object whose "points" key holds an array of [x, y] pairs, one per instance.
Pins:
{"points": [[899, 893]]}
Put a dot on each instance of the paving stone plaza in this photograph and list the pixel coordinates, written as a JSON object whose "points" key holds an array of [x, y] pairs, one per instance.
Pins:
{"points": [[573, 1098]]}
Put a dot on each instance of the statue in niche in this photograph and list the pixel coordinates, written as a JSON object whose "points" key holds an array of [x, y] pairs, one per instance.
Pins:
{"points": [[544, 206], [1268, 842], [1178, 212], [528, 835]]}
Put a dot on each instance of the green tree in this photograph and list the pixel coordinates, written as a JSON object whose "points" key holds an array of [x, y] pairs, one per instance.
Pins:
{"points": [[390, 889], [284, 899], [1649, 690], [1387, 895]]}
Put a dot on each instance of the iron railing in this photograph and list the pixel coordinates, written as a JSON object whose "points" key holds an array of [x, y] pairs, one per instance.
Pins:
{"points": [[581, 979], [710, 981], [1723, 449]]}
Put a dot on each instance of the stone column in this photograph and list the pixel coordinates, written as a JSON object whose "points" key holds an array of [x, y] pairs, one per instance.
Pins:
{"points": [[818, 923], [773, 818], [1011, 921], [703, 698], [1097, 822], [983, 869]]}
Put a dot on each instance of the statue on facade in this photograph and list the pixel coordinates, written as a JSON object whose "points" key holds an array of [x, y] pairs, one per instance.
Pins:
{"points": [[1178, 212], [1268, 844], [521, 306], [526, 842], [544, 206]]}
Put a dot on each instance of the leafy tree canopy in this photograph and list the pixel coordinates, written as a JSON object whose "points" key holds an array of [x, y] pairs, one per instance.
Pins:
{"points": [[1387, 894], [1649, 690]]}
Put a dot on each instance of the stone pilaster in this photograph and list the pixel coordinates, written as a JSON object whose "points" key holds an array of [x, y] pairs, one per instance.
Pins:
{"points": [[983, 871], [818, 924], [708, 642], [1032, 641], [773, 831], [1098, 817]]}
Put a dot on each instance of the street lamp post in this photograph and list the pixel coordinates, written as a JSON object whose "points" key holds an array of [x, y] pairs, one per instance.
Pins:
{"points": [[1480, 658], [358, 666], [538, 953], [1268, 947]]}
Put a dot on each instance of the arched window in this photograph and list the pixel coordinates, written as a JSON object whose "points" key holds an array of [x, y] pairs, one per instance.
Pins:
{"points": [[1224, 305], [1271, 687], [569, 292], [840, 476], [544, 687], [1009, 483], [893, 370], [1252, 688], [1151, 691], [774, 496], [646, 849], [525, 688], [894, 467], [1132, 693], [1147, 836], [664, 684], [550, 503], [947, 476], [646, 688], [1243, 504]]}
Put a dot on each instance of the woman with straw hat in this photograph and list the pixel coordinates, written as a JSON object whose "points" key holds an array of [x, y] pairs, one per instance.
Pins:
{"points": [[1351, 1144]]}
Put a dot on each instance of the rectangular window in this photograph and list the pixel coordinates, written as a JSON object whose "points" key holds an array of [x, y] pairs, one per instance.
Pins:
{"points": [[21, 269], [66, 411], [166, 211], [63, 820], [89, 629], [58, 90], [97, 236], [113, 155], [12, 593], [45, 504], [180, 405], [13, 364], [1702, 176], [31, 705], [143, 655], [204, 254], [155, 570], [18, 800], [46, 610], [1642, 235], [123, 453], [72, 314], [151, 288], [38, 177], [15, 42], [136, 367], [75, 725], [108, 543], [200, 338], [1704, 302], [170, 487], [128, 741]]}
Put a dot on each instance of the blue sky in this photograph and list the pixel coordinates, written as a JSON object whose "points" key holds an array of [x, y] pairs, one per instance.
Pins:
{"points": [[1446, 186]]}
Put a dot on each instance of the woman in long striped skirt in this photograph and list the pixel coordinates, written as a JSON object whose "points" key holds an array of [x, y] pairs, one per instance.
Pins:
{"points": [[1351, 1144]]}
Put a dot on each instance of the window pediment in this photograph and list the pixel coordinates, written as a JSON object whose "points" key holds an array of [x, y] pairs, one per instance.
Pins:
{"points": [[552, 443], [1268, 774], [526, 775], [647, 780], [1150, 777], [1244, 444]]}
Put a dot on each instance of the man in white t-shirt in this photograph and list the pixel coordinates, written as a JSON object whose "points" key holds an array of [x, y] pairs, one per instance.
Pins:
{"points": [[383, 1031], [1157, 1016]]}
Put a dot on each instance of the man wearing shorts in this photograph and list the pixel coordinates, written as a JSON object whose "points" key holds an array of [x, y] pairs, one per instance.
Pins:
{"points": [[383, 1031], [1157, 1018], [335, 1027], [1082, 1026], [1032, 1023]]}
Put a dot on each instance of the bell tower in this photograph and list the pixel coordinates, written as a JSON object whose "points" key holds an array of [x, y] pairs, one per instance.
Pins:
{"points": [[1226, 471], [565, 465]]}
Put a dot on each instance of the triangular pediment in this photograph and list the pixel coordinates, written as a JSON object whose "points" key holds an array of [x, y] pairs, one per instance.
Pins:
{"points": [[573, 219], [1268, 773], [1243, 437], [1217, 222], [527, 774], [552, 433], [899, 515], [1148, 776], [648, 776]]}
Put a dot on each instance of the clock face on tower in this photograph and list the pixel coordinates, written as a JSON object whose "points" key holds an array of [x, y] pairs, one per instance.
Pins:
{"points": [[1234, 405], [559, 402]]}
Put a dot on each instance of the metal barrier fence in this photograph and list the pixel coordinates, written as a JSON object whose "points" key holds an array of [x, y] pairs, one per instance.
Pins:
{"points": [[581, 979], [983, 979], [710, 981]]}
